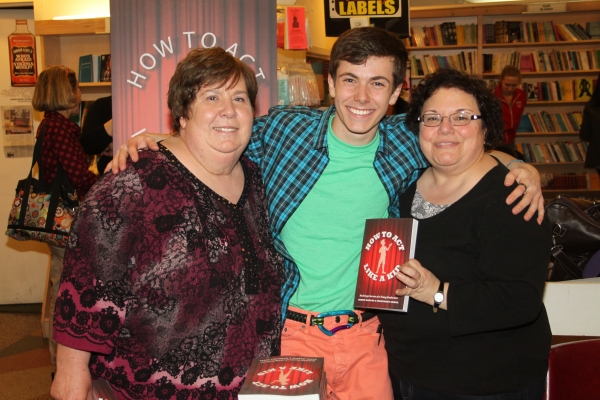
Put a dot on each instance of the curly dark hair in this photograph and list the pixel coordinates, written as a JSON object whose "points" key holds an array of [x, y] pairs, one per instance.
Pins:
{"points": [[357, 45], [447, 78], [205, 67]]}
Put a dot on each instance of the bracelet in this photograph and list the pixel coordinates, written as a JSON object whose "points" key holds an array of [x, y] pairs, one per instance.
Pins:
{"points": [[515, 160]]}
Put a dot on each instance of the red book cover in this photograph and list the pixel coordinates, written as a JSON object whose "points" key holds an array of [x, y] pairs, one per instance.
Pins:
{"points": [[388, 243], [295, 29], [279, 378]]}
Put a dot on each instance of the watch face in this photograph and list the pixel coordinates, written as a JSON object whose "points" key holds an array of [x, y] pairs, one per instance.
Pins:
{"points": [[438, 297]]}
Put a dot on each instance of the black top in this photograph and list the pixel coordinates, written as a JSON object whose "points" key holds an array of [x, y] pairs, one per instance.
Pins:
{"points": [[94, 138], [590, 130], [495, 336]]}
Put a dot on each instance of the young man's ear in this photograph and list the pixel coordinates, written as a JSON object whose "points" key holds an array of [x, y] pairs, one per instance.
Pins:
{"points": [[395, 94], [331, 83]]}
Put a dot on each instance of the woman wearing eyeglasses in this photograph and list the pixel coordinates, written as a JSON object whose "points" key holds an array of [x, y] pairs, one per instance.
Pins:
{"points": [[476, 327]]}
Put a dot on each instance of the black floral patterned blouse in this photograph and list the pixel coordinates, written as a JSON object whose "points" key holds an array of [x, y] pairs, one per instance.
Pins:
{"points": [[173, 289]]}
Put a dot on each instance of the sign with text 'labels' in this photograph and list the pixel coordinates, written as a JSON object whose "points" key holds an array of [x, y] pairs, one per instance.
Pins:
{"points": [[341, 15], [365, 8]]}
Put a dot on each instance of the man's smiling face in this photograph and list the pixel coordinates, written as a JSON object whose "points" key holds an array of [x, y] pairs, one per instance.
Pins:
{"points": [[362, 94]]}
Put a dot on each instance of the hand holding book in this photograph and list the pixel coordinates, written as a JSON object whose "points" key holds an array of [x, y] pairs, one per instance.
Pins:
{"points": [[421, 284]]}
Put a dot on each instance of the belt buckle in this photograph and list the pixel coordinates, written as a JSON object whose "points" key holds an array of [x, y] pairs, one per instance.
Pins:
{"points": [[320, 319]]}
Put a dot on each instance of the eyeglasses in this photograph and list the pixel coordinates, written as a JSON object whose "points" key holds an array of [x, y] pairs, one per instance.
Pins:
{"points": [[456, 119]]}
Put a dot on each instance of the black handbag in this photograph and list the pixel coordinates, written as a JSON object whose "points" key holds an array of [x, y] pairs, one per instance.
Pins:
{"points": [[575, 236], [43, 211]]}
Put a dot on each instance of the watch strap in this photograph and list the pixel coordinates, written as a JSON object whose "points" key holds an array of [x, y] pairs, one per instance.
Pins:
{"points": [[436, 304]]}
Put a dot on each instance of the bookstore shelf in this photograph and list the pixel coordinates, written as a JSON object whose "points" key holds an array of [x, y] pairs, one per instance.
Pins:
{"points": [[592, 42], [543, 134], [549, 74], [556, 174], [84, 26], [556, 163], [555, 192], [94, 84], [64, 41], [556, 103], [444, 47]]}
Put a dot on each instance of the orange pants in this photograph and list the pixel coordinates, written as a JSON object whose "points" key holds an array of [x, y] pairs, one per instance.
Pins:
{"points": [[355, 359]]}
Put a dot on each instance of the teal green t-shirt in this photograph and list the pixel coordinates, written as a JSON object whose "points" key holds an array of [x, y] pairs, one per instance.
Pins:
{"points": [[324, 235]]}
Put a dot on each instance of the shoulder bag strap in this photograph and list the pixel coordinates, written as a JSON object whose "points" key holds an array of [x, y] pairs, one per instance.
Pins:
{"points": [[568, 265]]}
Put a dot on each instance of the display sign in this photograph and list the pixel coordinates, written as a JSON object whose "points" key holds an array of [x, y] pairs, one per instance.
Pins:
{"points": [[148, 42], [341, 15], [365, 8]]}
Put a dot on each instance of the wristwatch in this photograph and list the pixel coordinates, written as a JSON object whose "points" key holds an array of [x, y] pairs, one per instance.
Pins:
{"points": [[438, 297]]}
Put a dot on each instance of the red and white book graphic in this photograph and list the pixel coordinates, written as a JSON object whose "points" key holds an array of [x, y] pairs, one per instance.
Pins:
{"points": [[279, 378], [388, 243]]}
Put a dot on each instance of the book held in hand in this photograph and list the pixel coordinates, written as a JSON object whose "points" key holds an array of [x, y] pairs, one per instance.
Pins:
{"points": [[285, 377], [388, 243]]}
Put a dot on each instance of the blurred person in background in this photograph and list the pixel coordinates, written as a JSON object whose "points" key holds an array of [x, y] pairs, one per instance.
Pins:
{"points": [[97, 132], [590, 128], [513, 102], [57, 94]]}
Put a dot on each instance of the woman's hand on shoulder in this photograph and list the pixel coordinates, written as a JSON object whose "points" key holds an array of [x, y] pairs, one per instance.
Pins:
{"points": [[530, 187], [130, 149]]}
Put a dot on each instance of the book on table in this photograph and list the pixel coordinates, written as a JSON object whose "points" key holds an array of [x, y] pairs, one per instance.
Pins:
{"points": [[387, 244], [285, 377]]}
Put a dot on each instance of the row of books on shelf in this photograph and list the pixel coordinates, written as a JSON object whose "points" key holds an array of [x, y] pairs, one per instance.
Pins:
{"points": [[543, 61], [579, 89], [94, 68], [538, 32], [447, 33], [543, 121], [465, 61], [558, 152], [569, 180]]}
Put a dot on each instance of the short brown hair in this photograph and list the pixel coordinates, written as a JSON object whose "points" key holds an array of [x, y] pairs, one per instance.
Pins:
{"points": [[357, 45], [510, 70], [55, 89], [205, 67]]}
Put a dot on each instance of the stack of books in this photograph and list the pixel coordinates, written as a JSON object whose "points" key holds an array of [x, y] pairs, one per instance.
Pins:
{"points": [[558, 152], [285, 377], [543, 61], [570, 180], [94, 68], [580, 89], [543, 121], [447, 33], [465, 61], [537, 32]]}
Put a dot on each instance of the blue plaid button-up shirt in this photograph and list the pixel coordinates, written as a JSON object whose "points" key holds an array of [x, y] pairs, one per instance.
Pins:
{"points": [[290, 146]]}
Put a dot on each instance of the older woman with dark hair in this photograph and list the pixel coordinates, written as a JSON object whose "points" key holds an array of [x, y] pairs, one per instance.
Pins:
{"points": [[57, 94], [172, 284], [476, 327]]}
